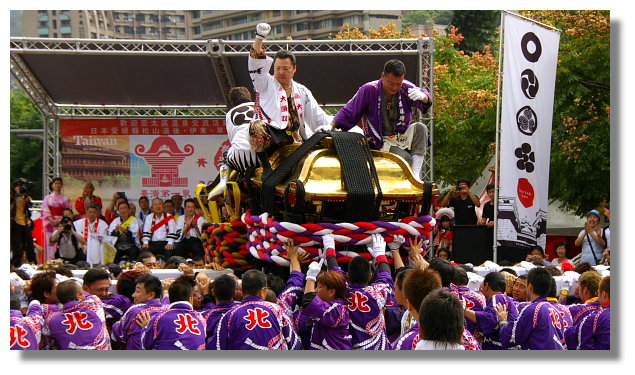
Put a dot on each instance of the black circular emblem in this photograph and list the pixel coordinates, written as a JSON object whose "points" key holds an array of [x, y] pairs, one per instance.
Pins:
{"points": [[524, 43], [242, 115], [529, 83], [526, 120]]}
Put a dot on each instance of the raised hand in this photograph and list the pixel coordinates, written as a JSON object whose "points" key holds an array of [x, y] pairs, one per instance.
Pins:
{"points": [[378, 246], [313, 271], [262, 29], [398, 240]]}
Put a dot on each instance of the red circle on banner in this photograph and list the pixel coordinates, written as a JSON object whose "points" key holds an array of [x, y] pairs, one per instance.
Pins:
{"points": [[525, 192]]}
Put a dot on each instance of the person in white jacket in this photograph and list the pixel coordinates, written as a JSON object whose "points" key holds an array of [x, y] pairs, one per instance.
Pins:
{"points": [[280, 101]]}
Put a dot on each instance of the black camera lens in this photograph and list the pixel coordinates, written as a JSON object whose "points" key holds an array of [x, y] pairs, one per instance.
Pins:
{"points": [[67, 227]]}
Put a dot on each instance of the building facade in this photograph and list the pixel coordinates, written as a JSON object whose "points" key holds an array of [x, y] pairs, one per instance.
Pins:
{"points": [[297, 24], [106, 24]]}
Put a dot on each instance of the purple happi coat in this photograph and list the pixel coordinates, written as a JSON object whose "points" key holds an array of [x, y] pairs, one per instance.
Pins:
{"points": [[366, 304], [330, 329], [487, 320], [393, 314], [593, 332], [289, 300], [25, 331], [565, 314], [177, 327], [580, 310], [80, 325], [367, 103], [255, 324], [114, 307], [538, 327], [213, 316], [408, 340], [127, 330], [47, 342], [475, 301]]}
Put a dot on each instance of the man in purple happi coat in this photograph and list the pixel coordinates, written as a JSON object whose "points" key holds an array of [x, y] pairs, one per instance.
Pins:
{"points": [[81, 323], [386, 108], [593, 331], [26, 330], [416, 286], [44, 288], [147, 298], [255, 323], [290, 298], [486, 320], [586, 290], [324, 305], [97, 282], [474, 300], [366, 302], [539, 325], [223, 289], [178, 326]]}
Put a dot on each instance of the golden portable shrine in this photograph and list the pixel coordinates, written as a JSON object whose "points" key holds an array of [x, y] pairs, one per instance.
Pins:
{"points": [[331, 183]]}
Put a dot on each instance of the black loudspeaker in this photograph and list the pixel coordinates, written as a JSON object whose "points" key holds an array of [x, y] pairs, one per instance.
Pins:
{"points": [[472, 244]]}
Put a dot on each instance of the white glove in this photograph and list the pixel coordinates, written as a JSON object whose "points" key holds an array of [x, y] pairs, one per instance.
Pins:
{"points": [[396, 243], [329, 241], [262, 29], [378, 247], [324, 128], [314, 269], [416, 94]]}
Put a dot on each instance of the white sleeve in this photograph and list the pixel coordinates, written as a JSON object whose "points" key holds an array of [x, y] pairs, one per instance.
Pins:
{"points": [[314, 115], [259, 73], [113, 225], [171, 235], [147, 233], [103, 227]]}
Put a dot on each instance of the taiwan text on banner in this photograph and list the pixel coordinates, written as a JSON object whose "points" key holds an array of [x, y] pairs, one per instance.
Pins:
{"points": [[529, 73]]}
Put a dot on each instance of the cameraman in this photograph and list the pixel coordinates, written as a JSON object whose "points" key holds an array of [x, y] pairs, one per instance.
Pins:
{"points": [[67, 241], [464, 203], [21, 223]]}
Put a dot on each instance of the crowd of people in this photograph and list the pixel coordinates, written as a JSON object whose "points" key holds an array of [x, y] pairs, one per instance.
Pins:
{"points": [[413, 302], [365, 304]]}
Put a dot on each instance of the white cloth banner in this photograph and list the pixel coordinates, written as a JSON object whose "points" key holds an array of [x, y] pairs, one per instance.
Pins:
{"points": [[529, 74], [96, 252]]}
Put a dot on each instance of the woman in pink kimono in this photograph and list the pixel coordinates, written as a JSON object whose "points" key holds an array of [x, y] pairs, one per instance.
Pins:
{"points": [[53, 206]]}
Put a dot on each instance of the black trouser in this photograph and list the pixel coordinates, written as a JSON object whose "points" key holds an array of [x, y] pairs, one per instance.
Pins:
{"points": [[189, 247], [132, 253], [21, 242], [158, 249]]}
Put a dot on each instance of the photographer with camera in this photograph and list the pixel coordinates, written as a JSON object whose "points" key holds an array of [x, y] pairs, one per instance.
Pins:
{"points": [[21, 223], [67, 241], [463, 203]]}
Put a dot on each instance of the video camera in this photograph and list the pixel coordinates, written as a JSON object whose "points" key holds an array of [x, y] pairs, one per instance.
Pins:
{"points": [[67, 223], [24, 184]]}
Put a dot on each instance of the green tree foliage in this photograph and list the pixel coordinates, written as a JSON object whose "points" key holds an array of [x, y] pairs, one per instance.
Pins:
{"points": [[479, 27], [425, 17], [26, 153], [580, 145], [464, 109]]}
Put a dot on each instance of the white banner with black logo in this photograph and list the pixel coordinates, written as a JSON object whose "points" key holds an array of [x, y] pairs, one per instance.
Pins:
{"points": [[529, 74]]}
